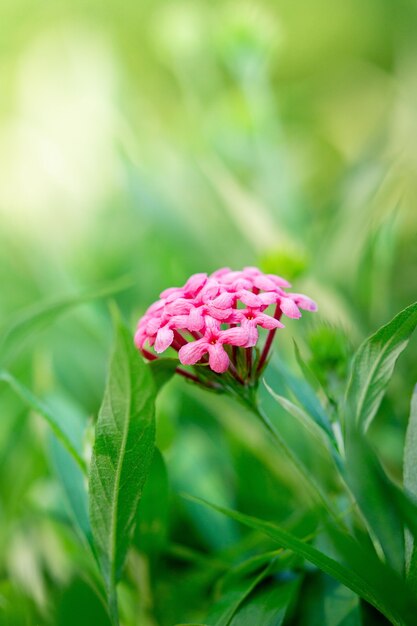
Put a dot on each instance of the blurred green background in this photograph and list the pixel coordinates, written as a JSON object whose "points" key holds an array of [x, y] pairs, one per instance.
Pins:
{"points": [[155, 139]]}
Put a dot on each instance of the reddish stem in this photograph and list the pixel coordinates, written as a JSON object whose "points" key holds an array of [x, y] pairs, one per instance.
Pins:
{"points": [[249, 362], [188, 375], [269, 340], [179, 339], [235, 374], [149, 355]]}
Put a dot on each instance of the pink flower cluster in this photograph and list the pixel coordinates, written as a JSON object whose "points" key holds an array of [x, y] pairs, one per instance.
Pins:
{"points": [[209, 312]]}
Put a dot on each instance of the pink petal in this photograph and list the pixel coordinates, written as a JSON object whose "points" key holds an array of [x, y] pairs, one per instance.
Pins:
{"points": [[252, 271], [194, 284], [140, 338], [270, 297], [267, 321], [234, 336], [192, 352], [265, 283], [221, 272], [180, 306], [249, 298], [171, 291], [252, 333], [224, 300], [212, 325], [164, 338], [156, 307], [289, 308], [195, 319], [209, 291], [241, 283], [304, 302], [179, 322], [153, 325], [219, 314], [218, 358], [279, 281]]}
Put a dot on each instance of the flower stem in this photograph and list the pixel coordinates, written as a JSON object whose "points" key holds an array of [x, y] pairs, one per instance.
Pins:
{"points": [[248, 363], [149, 355], [314, 489], [268, 342]]}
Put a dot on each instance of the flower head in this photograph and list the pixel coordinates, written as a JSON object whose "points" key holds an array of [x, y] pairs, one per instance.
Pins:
{"points": [[212, 319]]}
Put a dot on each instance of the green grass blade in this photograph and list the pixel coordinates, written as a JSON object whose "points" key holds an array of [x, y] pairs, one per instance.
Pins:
{"points": [[63, 432], [36, 317], [371, 580]]}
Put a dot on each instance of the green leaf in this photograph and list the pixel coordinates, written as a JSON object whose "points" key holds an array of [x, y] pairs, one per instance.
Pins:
{"points": [[375, 582], [38, 316], [162, 371], [79, 599], [122, 456], [152, 514], [327, 603], [268, 606], [317, 432], [305, 396], [63, 430], [224, 610], [373, 365], [72, 480], [410, 484], [306, 370], [374, 493]]}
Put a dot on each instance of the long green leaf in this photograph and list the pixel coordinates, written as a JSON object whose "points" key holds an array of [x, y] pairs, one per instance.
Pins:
{"points": [[328, 603], [152, 513], [317, 432], [36, 317], [223, 611], [60, 429], [122, 456], [374, 493], [373, 365], [374, 582], [410, 484], [268, 606], [72, 481], [305, 396]]}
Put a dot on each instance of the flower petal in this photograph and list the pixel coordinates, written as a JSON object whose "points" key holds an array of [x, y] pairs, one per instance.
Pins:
{"points": [[279, 281], [218, 358], [164, 338], [224, 300], [289, 308], [304, 302], [249, 298], [195, 319], [265, 283], [219, 314], [194, 284], [267, 321], [252, 333], [153, 325], [234, 336], [140, 338], [192, 352], [180, 306]]}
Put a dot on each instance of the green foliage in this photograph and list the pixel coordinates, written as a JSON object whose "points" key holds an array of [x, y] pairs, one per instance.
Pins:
{"points": [[122, 456], [151, 140], [373, 366]]}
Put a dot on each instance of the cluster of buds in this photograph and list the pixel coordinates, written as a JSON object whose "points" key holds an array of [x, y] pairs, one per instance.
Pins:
{"points": [[213, 321]]}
